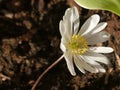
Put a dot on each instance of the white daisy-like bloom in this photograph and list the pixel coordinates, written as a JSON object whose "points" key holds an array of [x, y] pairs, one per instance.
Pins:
{"points": [[78, 45]]}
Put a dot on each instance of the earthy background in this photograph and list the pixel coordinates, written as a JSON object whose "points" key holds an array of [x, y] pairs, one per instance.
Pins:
{"points": [[29, 43]]}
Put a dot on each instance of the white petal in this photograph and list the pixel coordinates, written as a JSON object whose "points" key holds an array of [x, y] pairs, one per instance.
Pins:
{"points": [[76, 26], [68, 20], [81, 63], [97, 57], [98, 38], [62, 47], [89, 24], [99, 67], [99, 27], [101, 49], [64, 31], [62, 28], [78, 64], [69, 61], [94, 64], [76, 20]]}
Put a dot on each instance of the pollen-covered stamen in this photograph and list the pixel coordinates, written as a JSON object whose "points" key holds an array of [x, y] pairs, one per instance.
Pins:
{"points": [[78, 44]]}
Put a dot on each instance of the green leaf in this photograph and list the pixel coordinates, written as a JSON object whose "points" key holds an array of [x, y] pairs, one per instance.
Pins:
{"points": [[109, 5]]}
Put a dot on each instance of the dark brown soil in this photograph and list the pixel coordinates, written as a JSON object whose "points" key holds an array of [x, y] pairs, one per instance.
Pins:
{"points": [[29, 43]]}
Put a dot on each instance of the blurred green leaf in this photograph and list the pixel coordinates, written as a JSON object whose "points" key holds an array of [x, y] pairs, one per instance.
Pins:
{"points": [[109, 5]]}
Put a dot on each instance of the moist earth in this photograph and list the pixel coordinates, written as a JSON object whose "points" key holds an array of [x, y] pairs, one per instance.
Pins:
{"points": [[29, 43]]}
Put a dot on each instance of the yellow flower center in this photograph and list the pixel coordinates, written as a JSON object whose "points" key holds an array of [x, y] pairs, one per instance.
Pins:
{"points": [[78, 44]]}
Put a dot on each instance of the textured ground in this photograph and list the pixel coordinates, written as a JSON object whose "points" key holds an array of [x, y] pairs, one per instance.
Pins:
{"points": [[29, 43]]}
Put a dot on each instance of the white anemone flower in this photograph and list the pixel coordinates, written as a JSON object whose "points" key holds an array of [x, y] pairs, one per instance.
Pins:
{"points": [[79, 47]]}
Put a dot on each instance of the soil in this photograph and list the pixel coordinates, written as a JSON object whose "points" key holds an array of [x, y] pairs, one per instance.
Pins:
{"points": [[29, 43]]}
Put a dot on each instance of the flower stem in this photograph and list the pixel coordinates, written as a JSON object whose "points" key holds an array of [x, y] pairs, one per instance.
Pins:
{"points": [[50, 67]]}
